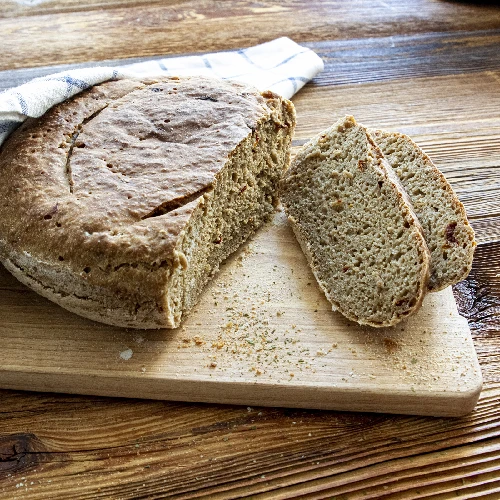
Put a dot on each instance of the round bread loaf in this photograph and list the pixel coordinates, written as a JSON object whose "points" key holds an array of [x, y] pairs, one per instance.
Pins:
{"points": [[121, 203]]}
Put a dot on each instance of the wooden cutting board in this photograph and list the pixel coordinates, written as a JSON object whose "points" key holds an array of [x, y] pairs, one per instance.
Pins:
{"points": [[263, 334]]}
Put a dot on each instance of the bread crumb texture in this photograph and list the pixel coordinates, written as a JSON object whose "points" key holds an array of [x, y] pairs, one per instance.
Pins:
{"points": [[447, 232], [121, 203], [356, 226]]}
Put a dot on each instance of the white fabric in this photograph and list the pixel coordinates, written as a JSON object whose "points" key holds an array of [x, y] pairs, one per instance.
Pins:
{"points": [[280, 65]]}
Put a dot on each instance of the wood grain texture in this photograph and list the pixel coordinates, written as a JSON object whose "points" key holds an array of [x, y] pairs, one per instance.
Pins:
{"points": [[59, 447], [19, 8], [360, 60], [478, 299], [86, 448], [395, 57], [69, 34]]}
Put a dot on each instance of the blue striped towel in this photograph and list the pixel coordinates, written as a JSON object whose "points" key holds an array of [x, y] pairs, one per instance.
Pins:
{"points": [[280, 65]]}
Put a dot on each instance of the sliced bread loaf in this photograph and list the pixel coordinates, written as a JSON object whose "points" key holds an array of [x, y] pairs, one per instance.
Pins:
{"points": [[356, 226], [447, 232]]}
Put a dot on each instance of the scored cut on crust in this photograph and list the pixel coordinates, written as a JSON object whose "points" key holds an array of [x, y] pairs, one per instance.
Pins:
{"points": [[356, 226], [121, 203]]}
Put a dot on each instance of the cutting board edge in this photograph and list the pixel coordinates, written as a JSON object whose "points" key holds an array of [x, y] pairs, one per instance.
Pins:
{"points": [[332, 398]]}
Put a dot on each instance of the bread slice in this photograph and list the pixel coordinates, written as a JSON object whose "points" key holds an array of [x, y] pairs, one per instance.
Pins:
{"points": [[121, 203], [356, 226], [447, 232]]}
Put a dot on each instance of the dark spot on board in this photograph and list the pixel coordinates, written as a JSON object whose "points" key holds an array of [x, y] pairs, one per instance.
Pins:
{"points": [[390, 345]]}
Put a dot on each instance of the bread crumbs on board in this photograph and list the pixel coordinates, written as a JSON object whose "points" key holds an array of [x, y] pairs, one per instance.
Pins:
{"points": [[256, 323], [251, 328]]}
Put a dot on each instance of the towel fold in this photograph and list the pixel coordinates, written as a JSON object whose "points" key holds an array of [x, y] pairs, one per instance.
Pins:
{"points": [[281, 65]]}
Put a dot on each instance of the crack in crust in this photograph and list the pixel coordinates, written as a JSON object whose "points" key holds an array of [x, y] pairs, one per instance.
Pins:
{"points": [[171, 205], [67, 168]]}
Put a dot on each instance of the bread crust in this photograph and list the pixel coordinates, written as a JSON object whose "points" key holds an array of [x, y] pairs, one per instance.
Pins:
{"points": [[99, 194]]}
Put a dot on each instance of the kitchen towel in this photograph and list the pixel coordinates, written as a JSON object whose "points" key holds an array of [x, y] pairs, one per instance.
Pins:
{"points": [[281, 65]]}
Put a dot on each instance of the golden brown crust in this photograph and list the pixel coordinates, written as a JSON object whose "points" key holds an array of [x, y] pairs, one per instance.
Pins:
{"points": [[96, 194]]}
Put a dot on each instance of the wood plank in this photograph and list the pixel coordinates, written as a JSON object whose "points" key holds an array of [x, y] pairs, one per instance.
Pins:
{"points": [[263, 333], [356, 61], [395, 57], [18, 8], [133, 30], [478, 296], [91, 449]]}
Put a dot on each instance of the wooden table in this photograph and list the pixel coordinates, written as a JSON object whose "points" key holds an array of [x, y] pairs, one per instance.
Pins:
{"points": [[429, 68]]}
